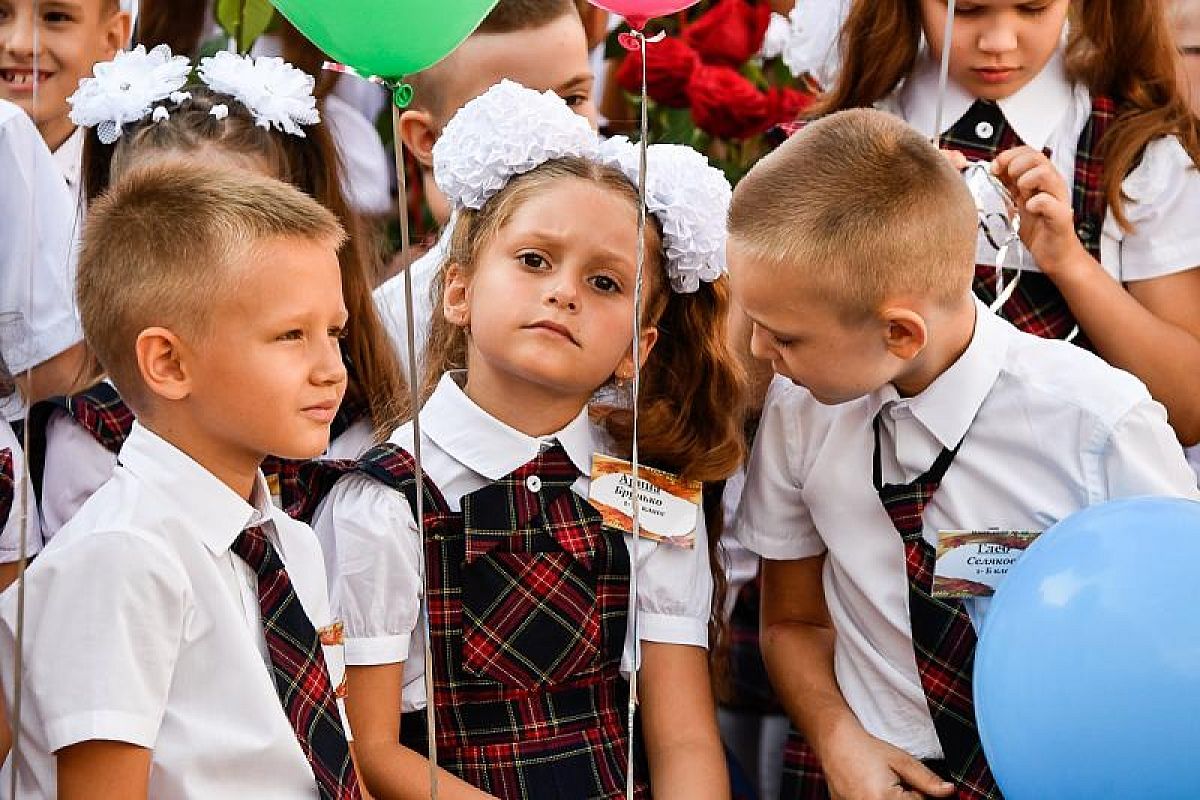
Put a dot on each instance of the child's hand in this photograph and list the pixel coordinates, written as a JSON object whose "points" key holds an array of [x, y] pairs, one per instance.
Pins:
{"points": [[860, 767], [956, 159], [1044, 203]]}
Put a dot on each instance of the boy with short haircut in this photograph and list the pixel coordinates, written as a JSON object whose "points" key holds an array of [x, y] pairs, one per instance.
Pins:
{"points": [[540, 44], [902, 408], [178, 634]]}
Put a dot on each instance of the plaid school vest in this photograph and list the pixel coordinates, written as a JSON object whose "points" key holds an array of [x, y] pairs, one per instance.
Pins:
{"points": [[527, 597], [1036, 305]]}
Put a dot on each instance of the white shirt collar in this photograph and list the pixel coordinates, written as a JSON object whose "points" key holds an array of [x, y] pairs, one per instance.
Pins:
{"points": [[69, 158], [486, 445], [1034, 112], [215, 512], [948, 405]]}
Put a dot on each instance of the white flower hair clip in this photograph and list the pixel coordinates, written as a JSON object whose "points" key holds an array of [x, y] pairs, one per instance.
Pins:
{"points": [[689, 197], [510, 130], [127, 88], [504, 132], [277, 94]]}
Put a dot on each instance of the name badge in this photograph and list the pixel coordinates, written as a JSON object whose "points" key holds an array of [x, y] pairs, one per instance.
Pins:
{"points": [[668, 504], [973, 563]]}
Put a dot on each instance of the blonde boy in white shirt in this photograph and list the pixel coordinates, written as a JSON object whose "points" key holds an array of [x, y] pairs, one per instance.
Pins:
{"points": [[157, 622], [852, 250]]}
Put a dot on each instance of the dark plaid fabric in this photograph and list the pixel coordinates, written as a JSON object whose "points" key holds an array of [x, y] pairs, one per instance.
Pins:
{"points": [[101, 412], [527, 596], [298, 667], [749, 687], [803, 778], [8, 486], [1036, 306], [943, 637]]}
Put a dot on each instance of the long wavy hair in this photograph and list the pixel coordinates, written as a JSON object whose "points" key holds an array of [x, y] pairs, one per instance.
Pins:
{"points": [[311, 164], [692, 386], [1120, 49]]}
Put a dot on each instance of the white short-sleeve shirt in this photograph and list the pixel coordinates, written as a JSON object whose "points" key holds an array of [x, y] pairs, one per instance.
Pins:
{"points": [[372, 545], [22, 508], [393, 310], [1163, 190], [37, 259], [1046, 430], [142, 626]]}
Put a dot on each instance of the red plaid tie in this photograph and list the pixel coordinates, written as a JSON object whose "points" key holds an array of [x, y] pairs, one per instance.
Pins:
{"points": [[7, 485], [942, 634], [298, 666]]}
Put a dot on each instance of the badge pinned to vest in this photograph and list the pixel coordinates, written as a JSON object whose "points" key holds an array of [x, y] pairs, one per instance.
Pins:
{"points": [[669, 505], [974, 563]]}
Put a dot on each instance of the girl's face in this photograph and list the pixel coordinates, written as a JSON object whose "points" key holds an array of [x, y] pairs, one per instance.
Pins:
{"points": [[998, 46], [550, 302]]}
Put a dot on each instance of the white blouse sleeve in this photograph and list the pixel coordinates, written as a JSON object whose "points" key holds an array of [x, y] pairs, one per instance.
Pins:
{"points": [[21, 507], [1163, 207], [372, 551], [76, 466], [773, 519]]}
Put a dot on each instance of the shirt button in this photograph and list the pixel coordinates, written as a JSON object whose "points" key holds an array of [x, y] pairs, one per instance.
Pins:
{"points": [[533, 483], [984, 130]]}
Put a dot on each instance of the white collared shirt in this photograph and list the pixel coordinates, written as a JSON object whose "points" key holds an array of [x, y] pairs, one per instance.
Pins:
{"points": [[1051, 112], [393, 310], [37, 259], [1049, 429], [372, 545], [23, 506], [142, 626]]}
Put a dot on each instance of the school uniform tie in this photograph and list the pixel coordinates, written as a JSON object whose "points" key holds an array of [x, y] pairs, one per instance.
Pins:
{"points": [[942, 634], [981, 132], [8, 485], [298, 667]]}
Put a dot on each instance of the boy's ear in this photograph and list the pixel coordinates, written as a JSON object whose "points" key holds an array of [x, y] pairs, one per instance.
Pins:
{"points": [[456, 297], [624, 370], [161, 362], [419, 133], [905, 334], [116, 32]]}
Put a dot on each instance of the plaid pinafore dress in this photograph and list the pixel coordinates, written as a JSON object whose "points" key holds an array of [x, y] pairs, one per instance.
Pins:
{"points": [[527, 595]]}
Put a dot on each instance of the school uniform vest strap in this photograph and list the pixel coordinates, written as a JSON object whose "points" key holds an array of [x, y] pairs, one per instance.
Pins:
{"points": [[942, 634], [527, 597], [1036, 305], [298, 668], [7, 485]]}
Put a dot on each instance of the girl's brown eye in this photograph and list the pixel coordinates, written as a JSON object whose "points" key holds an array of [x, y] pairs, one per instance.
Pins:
{"points": [[532, 260]]}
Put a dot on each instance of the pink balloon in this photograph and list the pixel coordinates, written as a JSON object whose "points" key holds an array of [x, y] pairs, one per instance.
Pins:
{"points": [[639, 12]]}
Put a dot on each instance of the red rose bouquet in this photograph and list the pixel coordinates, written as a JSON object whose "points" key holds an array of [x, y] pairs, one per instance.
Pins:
{"points": [[710, 86]]}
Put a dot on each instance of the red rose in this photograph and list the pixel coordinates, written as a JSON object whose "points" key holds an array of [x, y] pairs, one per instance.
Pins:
{"points": [[785, 104], [669, 65], [730, 32], [725, 104]]}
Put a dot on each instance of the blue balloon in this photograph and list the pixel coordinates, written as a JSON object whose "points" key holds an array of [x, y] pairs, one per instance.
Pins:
{"points": [[1087, 674]]}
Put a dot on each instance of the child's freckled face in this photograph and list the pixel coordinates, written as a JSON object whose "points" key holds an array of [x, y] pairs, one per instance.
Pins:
{"points": [[269, 376], [551, 299], [998, 46], [802, 337], [64, 39]]}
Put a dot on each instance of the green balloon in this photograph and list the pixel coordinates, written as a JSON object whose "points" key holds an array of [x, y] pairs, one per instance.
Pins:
{"points": [[388, 38]]}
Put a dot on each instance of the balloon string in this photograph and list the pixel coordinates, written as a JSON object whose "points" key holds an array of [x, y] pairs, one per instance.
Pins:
{"points": [[415, 394], [635, 461], [943, 73], [22, 490]]}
